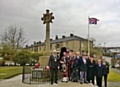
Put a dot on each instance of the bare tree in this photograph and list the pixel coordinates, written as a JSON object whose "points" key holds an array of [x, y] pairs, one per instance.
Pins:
{"points": [[13, 36]]}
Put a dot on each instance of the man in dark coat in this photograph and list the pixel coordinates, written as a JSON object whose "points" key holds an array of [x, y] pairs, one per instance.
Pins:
{"points": [[75, 73], [53, 63], [91, 69], [99, 71], [106, 71], [83, 69], [79, 59]]}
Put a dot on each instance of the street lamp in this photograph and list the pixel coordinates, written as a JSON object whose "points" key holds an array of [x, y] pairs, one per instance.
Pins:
{"points": [[104, 46], [101, 49]]}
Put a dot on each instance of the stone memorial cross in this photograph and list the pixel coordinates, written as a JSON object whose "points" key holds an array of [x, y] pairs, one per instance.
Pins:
{"points": [[47, 19]]}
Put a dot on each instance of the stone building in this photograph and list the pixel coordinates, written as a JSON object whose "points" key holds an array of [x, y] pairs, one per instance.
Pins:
{"points": [[73, 42]]}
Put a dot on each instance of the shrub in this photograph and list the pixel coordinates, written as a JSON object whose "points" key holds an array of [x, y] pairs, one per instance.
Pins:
{"points": [[113, 62], [2, 62]]}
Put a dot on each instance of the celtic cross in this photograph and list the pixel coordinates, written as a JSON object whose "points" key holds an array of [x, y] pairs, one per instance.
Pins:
{"points": [[47, 19]]}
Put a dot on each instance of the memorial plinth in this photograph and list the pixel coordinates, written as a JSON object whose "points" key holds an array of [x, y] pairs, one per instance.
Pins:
{"points": [[43, 60], [40, 74]]}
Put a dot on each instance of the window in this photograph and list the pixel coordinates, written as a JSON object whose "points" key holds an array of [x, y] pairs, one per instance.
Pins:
{"points": [[31, 49], [82, 44], [57, 45], [36, 49], [44, 48], [39, 48], [50, 46]]}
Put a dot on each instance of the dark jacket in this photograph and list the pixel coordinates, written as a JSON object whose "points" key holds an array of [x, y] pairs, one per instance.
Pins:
{"points": [[83, 67], [106, 68], [91, 68], [99, 71], [75, 64], [54, 62], [79, 60]]}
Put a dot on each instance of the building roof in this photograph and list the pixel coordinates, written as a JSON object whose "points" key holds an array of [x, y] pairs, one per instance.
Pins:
{"points": [[63, 39], [111, 47], [69, 38]]}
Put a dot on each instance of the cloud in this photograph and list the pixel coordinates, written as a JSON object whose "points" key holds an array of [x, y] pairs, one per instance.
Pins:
{"points": [[70, 16]]}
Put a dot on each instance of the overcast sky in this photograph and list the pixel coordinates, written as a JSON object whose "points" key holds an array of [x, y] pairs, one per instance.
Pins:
{"points": [[71, 16]]}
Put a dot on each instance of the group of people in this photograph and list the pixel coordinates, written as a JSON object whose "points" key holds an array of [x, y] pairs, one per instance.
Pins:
{"points": [[78, 68]]}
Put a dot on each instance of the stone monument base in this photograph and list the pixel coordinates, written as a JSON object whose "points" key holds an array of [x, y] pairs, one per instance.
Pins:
{"points": [[43, 60]]}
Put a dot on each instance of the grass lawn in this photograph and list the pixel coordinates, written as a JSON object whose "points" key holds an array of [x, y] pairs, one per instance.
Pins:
{"points": [[113, 76], [9, 71]]}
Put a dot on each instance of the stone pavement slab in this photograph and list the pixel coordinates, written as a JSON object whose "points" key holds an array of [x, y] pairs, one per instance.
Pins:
{"points": [[113, 84], [116, 70], [17, 82]]}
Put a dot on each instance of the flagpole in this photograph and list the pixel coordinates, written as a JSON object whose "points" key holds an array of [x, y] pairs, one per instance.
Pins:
{"points": [[91, 21], [88, 39]]}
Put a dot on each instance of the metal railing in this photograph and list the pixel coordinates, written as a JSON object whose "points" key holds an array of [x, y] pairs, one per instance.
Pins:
{"points": [[36, 76]]}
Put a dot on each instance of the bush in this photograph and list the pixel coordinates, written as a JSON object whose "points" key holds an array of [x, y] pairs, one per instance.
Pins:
{"points": [[95, 51], [113, 62], [111, 54], [22, 57], [2, 62], [118, 62]]}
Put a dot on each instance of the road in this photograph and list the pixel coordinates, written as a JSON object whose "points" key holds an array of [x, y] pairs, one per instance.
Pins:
{"points": [[108, 59]]}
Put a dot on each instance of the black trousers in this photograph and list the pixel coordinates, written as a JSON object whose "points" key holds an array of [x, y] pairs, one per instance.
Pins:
{"points": [[74, 75], [99, 81], [54, 73], [105, 80], [91, 78]]}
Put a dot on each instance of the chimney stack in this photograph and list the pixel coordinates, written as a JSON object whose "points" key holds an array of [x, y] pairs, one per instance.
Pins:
{"points": [[63, 36], [56, 37], [71, 35]]}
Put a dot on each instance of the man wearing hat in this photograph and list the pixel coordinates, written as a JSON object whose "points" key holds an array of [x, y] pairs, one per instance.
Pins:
{"points": [[53, 63]]}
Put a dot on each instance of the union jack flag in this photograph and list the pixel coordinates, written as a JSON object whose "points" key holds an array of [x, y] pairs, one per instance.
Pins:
{"points": [[93, 20]]}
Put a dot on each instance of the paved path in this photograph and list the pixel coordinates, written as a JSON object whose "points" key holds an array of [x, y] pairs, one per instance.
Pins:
{"points": [[113, 84], [116, 70], [16, 82]]}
